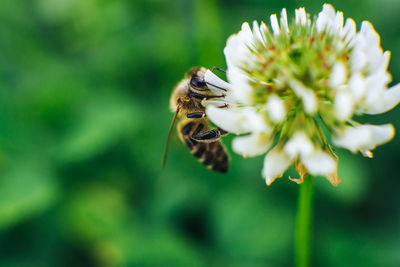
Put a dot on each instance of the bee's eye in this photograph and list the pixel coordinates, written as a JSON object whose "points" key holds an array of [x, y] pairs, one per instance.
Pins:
{"points": [[198, 83]]}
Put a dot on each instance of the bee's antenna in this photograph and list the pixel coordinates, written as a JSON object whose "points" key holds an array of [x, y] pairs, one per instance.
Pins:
{"points": [[216, 68], [216, 86], [212, 70], [169, 133]]}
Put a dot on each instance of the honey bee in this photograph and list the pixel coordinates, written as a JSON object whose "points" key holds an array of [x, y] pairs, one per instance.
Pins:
{"points": [[193, 127]]}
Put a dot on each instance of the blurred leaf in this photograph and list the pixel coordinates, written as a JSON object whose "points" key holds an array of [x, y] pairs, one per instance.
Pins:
{"points": [[27, 189], [161, 247], [45, 96], [102, 217], [207, 21], [100, 125], [175, 192], [358, 246], [355, 180], [97, 212], [249, 226]]}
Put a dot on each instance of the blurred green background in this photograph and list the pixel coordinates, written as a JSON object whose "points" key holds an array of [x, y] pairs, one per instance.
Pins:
{"points": [[85, 87]]}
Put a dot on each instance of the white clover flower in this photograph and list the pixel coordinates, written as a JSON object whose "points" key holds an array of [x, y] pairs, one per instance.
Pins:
{"points": [[290, 82]]}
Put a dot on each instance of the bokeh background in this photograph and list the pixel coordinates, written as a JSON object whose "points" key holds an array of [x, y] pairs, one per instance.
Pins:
{"points": [[84, 92]]}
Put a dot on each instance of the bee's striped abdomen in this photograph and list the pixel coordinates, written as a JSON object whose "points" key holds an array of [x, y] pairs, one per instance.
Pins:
{"points": [[210, 154]]}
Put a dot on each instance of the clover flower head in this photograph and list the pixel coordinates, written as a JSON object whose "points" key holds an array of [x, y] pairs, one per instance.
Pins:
{"points": [[291, 83]]}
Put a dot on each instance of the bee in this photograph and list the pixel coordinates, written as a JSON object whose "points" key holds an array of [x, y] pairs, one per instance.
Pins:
{"points": [[193, 127]]}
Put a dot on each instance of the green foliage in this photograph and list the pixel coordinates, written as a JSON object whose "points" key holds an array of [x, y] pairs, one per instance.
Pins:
{"points": [[84, 93], [26, 190]]}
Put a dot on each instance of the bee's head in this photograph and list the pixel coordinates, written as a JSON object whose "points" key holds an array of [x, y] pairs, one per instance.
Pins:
{"points": [[196, 76]]}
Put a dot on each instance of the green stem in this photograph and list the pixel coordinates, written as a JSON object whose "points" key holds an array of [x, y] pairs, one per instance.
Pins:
{"points": [[303, 223]]}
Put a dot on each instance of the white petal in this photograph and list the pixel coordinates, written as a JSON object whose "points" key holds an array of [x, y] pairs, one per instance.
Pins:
{"points": [[301, 16], [338, 22], [375, 93], [307, 95], [276, 109], [214, 102], [309, 101], [329, 11], [326, 18], [344, 105], [319, 163], [388, 100], [245, 34], [275, 164], [254, 121], [358, 59], [236, 52], [365, 137], [338, 75], [357, 85], [322, 22], [252, 145], [378, 63], [232, 49], [237, 121], [257, 33], [275, 24], [298, 144], [215, 83], [228, 119], [374, 57], [384, 62], [284, 21], [237, 48], [241, 89], [263, 28], [349, 30], [368, 31]]}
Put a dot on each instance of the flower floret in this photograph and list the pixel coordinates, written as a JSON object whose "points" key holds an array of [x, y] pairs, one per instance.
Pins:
{"points": [[293, 82]]}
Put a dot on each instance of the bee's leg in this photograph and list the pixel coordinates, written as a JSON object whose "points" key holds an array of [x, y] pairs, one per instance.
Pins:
{"points": [[222, 131], [216, 68], [196, 115], [223, 106], [209, 136], [200, 96]]}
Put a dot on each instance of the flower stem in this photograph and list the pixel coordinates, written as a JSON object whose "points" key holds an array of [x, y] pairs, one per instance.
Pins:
{"points": [[303, 223]]}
